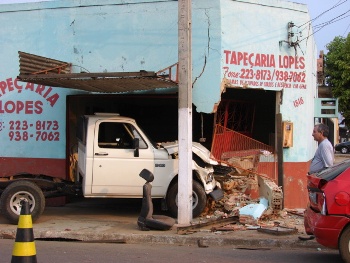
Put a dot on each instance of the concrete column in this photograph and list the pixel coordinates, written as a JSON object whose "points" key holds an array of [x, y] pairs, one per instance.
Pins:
{"points": [[185, 114]]}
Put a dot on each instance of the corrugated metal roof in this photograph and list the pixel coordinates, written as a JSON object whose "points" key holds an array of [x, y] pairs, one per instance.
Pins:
{"points": [[55, 73], [34, 64]]}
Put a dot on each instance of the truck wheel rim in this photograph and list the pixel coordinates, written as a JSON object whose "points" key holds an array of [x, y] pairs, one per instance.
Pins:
{"points": [[194, 200], [15, 203]]}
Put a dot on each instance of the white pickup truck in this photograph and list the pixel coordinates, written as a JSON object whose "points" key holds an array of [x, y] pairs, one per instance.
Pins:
{"points": [[112, 151]]}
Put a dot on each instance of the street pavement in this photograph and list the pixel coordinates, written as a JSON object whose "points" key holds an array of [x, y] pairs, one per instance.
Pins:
{"points": [[115, 221]]}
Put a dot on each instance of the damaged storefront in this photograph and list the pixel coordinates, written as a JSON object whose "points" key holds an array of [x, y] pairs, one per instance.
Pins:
{"points": [[254, 85]]}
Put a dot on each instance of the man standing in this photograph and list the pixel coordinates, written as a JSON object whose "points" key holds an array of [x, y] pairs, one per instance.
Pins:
{"points": [[324, 156]]}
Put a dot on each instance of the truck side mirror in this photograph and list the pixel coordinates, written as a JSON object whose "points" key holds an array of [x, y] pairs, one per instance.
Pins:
{"points": [[136, 143]]}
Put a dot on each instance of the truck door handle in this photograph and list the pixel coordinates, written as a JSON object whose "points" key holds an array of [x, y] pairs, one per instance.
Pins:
{"points": [[101, 154]]}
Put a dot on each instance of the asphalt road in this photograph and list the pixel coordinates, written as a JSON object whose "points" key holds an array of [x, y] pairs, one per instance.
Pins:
{"points": [[79, 252]]}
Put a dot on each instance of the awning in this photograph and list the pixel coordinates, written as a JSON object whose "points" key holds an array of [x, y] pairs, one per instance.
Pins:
{"points": [[55, 73]]}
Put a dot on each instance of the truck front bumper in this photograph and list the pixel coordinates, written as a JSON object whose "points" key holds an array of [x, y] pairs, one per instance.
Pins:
{"points": [[217, 194]]}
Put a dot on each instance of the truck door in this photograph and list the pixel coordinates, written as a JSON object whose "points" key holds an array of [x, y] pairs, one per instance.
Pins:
{"points": [[115, 168]]}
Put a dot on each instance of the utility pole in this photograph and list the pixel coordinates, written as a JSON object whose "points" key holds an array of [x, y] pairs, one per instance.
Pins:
{"points": [[185, 113]]}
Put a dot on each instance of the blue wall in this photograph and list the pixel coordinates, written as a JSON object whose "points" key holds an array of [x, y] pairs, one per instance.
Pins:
{"points": [[118, 35]]}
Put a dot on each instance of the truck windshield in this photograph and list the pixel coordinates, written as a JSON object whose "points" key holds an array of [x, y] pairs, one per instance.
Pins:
{"points": [[149, 138]]}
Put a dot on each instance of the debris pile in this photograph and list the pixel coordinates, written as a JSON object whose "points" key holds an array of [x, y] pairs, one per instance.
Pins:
{"points": [[285, 222], [244, 190], [255, 200]]}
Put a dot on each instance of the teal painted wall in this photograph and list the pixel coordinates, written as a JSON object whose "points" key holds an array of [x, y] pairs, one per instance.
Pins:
{"points": [[110, 36], [255, 55]]}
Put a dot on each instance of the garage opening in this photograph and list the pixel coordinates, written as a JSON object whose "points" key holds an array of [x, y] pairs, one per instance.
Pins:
{"points": [[244, 133]]}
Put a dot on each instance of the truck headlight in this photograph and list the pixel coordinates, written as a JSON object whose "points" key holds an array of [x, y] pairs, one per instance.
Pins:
{"points": [[210, 177]]}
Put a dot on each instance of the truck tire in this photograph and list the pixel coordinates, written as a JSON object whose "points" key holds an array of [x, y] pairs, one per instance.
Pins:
{"points": [[199, 199], [10, 202], [344, 245]]}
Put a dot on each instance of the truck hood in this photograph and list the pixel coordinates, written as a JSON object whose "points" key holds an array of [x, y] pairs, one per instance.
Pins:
{"points": [[197, 148]]}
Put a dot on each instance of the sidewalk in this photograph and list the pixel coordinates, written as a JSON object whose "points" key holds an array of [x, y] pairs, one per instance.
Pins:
{"points": [[114, 221]]}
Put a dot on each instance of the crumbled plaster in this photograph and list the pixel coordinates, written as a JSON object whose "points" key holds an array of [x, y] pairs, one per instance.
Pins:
{"points": [[242, 187]]}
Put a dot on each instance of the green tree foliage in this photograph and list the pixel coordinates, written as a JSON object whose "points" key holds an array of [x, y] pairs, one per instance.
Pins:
{"points": [[337, 71]]}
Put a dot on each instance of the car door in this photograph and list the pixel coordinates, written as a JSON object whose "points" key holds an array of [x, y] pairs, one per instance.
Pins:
{"points": [[115, 167]]}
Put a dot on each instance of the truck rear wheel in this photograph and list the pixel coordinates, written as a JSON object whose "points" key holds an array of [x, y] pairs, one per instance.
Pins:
{"points": [[199, 199], [10, 202]]}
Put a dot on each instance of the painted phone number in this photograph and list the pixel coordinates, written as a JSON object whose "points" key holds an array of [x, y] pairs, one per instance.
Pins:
{"points": [[44, 131], [265, 74], [39, 125], [39, 136]]}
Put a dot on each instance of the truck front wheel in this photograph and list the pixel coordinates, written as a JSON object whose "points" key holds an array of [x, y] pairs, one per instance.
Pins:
{"points": [[10, 202], [199, 199]]}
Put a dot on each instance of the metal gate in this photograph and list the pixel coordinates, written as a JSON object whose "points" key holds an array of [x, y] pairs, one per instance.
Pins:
{"points": [[232, 143], [244, 153]]}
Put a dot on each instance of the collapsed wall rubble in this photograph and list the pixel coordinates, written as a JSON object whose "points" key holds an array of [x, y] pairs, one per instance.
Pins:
{"points": [[243, 187]]}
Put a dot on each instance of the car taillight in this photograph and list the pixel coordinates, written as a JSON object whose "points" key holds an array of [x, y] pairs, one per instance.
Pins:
{"points": [[313, 198], [318, 201], [321, 202], [316, 195]]}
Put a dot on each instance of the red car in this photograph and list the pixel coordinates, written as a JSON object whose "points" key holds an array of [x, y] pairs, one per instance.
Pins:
{"points": [[327, 216]]}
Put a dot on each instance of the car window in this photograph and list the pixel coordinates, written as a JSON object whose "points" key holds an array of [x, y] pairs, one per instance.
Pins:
{"points": [[332, 172]]}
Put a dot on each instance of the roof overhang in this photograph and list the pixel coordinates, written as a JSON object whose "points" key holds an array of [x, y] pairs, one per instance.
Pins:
{"points": [[55, 73]]}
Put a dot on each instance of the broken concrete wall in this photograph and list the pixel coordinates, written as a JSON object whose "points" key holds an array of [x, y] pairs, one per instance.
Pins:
{"points": [[243, 187]]}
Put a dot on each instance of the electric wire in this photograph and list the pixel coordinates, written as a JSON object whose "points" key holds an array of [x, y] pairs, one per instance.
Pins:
{"points": [[333, 20], [346, 30], [336, 5], [320, 26]]}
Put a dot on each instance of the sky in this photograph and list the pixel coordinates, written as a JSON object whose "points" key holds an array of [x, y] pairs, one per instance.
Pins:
{"points": [[329, 18]]}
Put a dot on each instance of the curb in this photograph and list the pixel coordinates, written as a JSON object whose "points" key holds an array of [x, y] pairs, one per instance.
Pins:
{"points": [[206, 239]]}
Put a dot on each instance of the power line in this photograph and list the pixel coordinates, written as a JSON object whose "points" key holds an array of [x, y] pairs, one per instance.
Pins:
{"points": [[320, 26], [333, 20], [346, 30], [336, 5]]}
